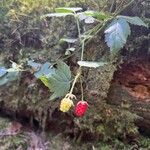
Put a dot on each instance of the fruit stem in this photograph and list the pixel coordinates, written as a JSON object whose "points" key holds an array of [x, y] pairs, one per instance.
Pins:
{"points": [[81, 89], [75, 80]]}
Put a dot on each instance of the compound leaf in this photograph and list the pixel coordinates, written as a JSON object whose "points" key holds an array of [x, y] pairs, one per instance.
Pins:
{"points": [[116, 34], [58, 82], [98, 15], [133, 20], [45, 69]]}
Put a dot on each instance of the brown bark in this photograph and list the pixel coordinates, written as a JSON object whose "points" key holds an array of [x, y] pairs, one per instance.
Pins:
{"points": [[131, 88]]}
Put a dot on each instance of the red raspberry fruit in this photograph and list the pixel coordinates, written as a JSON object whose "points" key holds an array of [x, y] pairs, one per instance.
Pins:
{"points": [[81, 108]]}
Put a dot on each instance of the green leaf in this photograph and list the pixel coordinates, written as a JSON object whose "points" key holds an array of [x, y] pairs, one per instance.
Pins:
{"points": [[134, 20], [57, 14], [91, 64], [46, 70], [45, 80], [59, 82], [68, 9], [41, 70], [116, 34], [69, 50], [3, 71], [87, 18], [98, 15], [10, 76], [34, 65]]}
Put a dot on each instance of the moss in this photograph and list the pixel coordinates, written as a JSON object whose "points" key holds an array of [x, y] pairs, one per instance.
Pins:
{"points": [[12, 142]]}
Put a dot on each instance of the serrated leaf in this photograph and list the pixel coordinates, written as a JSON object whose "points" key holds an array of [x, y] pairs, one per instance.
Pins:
{"points": [[98, 15], [134, 20], [3, 80], [57, 14], [59, 82], [116, 34], [10, 76], [46, 70], [68, 9], [45, 80], [91, 64], [34, 65], [3, 71], [39, 70]]}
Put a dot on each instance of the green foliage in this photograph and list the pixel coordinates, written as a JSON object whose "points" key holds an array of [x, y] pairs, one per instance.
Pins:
{"points": [[118, 31], [58, 82], [144, 142], [8, 75], [68, 9], [45, 69], [91, 64], [133, 20], [109, 122], [108, 125], [3, 71], [99, 15], [116, 34]]}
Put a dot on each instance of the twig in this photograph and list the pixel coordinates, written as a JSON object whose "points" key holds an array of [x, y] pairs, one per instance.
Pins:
{"points": [[126, 6], [112, 6]]}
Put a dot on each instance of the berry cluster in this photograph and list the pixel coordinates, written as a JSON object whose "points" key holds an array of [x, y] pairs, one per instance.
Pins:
{"points": [[67, 103], [81, 108]]}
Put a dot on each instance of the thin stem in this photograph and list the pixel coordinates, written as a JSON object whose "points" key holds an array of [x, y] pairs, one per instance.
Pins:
{"points": [[81, 83], [120, 6], [80, 69], [112, 6], [101, 27], [82, 51], [78, 27], [75, 80], [126, 6]]}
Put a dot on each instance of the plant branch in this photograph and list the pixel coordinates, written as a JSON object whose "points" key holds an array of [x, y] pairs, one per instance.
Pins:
{"points": [[124, 7], [112, 6], [100, 27], [75, 80]]}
